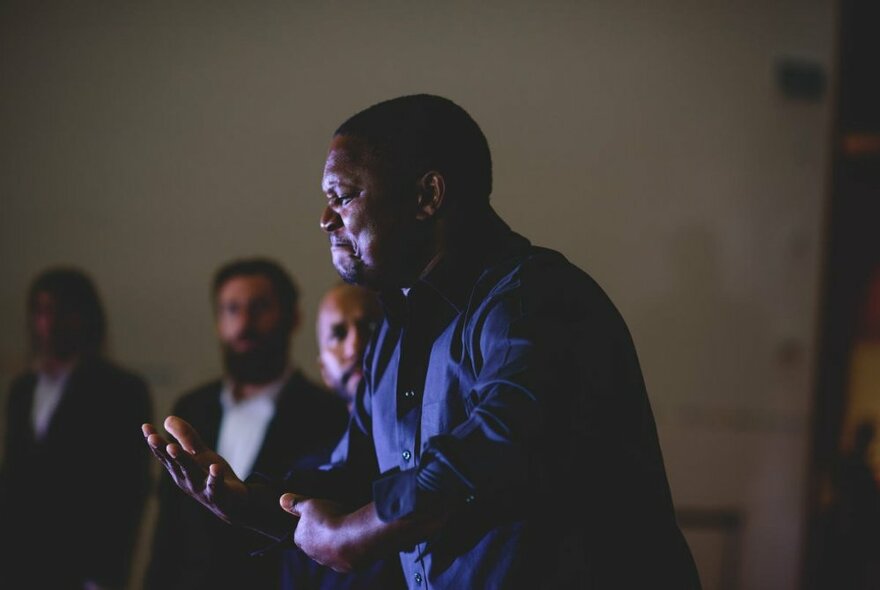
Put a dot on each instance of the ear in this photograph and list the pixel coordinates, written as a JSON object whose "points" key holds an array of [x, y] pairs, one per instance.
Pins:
{"points": [[432, 192]]}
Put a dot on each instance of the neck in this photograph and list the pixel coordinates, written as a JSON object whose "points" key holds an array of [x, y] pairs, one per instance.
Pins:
{"points": [[442, 235], [438, 255], [54, 366], [454, 233], [242, 391]]}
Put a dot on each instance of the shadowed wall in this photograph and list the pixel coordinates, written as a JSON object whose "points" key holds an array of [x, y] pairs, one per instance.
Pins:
{"points": [[150, 142]]}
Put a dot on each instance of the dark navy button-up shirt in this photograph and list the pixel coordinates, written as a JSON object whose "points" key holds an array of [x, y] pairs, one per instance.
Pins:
{"points": [[504, 387]]}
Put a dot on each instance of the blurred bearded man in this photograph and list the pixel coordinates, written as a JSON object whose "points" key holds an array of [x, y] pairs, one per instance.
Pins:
{"points": [[264, 415]]}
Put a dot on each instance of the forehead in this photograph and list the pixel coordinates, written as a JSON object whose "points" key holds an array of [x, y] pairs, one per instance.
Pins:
{"points": [[339, 307], [352, 158], [344, 304], [246, 287], [49, 302]]}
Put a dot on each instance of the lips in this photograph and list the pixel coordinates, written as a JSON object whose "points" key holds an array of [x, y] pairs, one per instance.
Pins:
{"points": [[341, 244], [353, 371], [245, 344]]}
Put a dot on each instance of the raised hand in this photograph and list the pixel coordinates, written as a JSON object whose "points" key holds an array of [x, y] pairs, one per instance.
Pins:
{"points": [[197, 470]]}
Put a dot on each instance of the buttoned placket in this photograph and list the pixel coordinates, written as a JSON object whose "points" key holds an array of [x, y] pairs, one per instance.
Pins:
{"points": [[410, 381], [422, 320]]}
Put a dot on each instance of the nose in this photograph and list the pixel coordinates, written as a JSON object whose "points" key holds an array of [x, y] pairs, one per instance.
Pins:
{"points": [[354, 344], [44, 326], [330, 220], [44, 321], [244, 320]]}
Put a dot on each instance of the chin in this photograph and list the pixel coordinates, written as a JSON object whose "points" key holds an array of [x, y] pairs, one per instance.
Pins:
{"points": [[356, 274], [351, 388], [350, 276], [349, 269]]}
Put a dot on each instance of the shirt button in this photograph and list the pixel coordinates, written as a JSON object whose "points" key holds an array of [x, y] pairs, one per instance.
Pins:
{"points": [[406, 455], [469, 499], [409, 393], [418, 578]]}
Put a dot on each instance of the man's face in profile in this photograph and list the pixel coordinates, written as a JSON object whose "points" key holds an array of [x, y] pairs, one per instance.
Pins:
{"points": [[346, 320], [251, 329], [367, 217]]}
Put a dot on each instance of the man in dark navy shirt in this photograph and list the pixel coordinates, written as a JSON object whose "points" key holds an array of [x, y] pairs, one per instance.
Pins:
{"points": [[502, 437]]}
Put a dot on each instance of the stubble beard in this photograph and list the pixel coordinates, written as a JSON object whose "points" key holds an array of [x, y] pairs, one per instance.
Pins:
{"points": [[263, 364]]}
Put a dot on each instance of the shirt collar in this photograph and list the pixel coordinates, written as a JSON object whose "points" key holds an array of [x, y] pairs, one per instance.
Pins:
{"points": [[61, 373], [58, 378], [452, 275], [268, 392], [474, 249]]}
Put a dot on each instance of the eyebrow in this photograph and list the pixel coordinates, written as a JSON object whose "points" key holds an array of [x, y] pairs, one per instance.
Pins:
{"points": [[335, 182]]}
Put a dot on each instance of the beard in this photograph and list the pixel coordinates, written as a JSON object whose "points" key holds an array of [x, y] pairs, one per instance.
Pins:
{"points": [[60, 348], [351, 271], [394, 264], [262, 364]]}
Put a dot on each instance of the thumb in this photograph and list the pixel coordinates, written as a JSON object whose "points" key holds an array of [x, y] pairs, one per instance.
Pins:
{"points": [[215, 476], [185, 434], [290, 501]]}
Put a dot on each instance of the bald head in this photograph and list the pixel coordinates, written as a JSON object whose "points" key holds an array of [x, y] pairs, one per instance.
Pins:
{"points": [[347, 316]]}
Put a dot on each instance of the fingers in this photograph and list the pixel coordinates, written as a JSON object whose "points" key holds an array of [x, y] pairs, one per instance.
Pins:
{"points": [[188, 468], [180, 464], [155, 442], [214, 480], [151, 435], [159, 448], [186, 435], [291, 503]]}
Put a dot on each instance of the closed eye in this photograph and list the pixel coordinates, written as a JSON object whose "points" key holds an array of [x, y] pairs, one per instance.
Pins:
{"points": [[339, 331], [334, 200]]}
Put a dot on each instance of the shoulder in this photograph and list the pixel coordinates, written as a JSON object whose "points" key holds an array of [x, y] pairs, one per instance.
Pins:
{"points": [[541, 285], [305, 393], [537, 273], [199, 396], [314, 413], [299, 384], [21, 385], [122, 380], [23, 381]]}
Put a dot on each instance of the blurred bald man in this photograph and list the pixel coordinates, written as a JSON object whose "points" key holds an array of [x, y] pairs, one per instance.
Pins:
{"points": [[347, 316]]}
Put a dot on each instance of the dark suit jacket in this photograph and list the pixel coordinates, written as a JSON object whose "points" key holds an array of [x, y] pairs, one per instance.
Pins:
{"points": [[192, 548], [72, 502]]}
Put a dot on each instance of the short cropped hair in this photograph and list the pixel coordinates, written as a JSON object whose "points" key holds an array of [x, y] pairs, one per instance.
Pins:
{"points": [[282, 283], [423, 132], [73, 292]]}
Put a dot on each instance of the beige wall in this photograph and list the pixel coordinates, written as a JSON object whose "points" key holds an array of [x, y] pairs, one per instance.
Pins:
{"points": [[149, 142]]}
